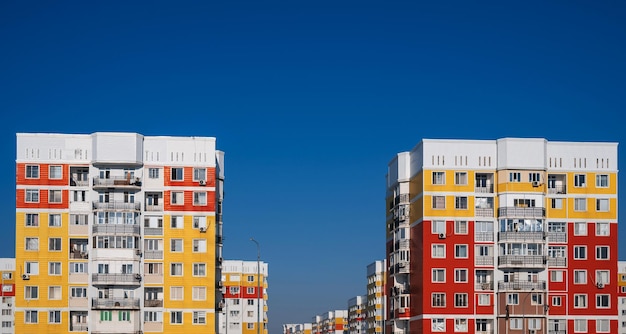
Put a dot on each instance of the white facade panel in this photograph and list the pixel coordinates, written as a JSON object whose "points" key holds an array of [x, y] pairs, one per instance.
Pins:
{"points": [[117, 148], [568, 156], [459, 154], [521, 153], [50, 147]]}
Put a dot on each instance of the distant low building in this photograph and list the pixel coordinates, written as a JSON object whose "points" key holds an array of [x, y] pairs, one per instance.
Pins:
{"points": [[356, 315], [375, 314], [7, 296], [621, 296]]}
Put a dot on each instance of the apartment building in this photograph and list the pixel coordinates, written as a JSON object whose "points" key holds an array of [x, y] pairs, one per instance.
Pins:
{"points": [[331, 322], [356, 315], [621, 296], [515, 235], [245, 297], [7, 295], [117, 233], [375, 297]]}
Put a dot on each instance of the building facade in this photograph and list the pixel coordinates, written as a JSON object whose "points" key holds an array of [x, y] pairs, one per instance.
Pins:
{"points": [[376, 297], [245, 297], [356, 315], [502, 236], [7, 295], [117, 233], [621, 296]]}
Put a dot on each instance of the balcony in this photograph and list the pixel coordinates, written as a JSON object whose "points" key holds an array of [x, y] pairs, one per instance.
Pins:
{"points": [[115, 303], [557, 236], [153, 231], [79, 255], [78, 327], [562, 189], [521, 285], [483, 236], [521, 212], [153, 255], [557, 262], [484, 260], [484, 285], [522, 261], [154, 207], [483, 212], [116, 206], [153, 303], [403, 267], [402, 244], [486, 189], [133, 279], [117, 181], [115, 229], [522, 236]]}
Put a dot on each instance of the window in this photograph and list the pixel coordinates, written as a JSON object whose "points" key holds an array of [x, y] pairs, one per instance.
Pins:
{"points": [[534, 177], [580, 252], [482, 325], [557, 203], [153, 268], [250, 278], [31, 292], [250, 290], [30, 317], [439, 325], [153, 316], [602, 181], [602, 301], [32, 220], [460, 227], [54, 244], [460, 275], [602, 277], [439, 202], [32, 244], [534, 324], [484, 299], [54, 220], [515, 323], [602, 229], [439, 226], [32, 268], [199, 245], [78, 292], [515, 177], [556, 275], [460, 178], [580, 325], [556, 301], [438, 251], [56, 172], [602, 326], [177, 222], [177, 174], [54, 317], [199, 198], [198, 293], [176, 293], [199, 174], [234, 290], [199, 317], [602, 204], [54, 268], [602, 252], [580, 228], [32, 196], [536, 299], [176, 245], [7, 275], [439, 299], [580, 301], [579, 180], [176, 317], [199, 269], [439, 275], [199, 221], [250, 326], [460, 202], [32, 172], [460, 251], [176, 269], [123, 315], [78, 268], [439, 177], [460, 299], [55, 196], [250, 301], [153, 173], [512, 299], [178, 198]]}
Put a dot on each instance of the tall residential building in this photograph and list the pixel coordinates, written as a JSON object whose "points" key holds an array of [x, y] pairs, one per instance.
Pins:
{"points": [[117, 233], [7, 295], [621, 296], [356, 315], [245, 297], [376, 297], [333, 322], [502, 236]]}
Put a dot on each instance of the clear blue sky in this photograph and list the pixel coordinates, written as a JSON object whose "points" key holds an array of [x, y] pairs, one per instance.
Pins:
{"points": [[310, 100]]}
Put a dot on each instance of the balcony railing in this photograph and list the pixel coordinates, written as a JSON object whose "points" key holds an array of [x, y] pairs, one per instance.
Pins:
{"points": [[521, 285], [80, 327], [153, 255], [115, 303], [116, 278], [484, 260], [117, 181], [557, 190], [78, 183], [521, 212], [402, 244], [484, 189], [483, 212], [154, 207], [153, 231], [403, 267], [402, 198], [532, 261], [483, 236], [557, 262], [557, 237], [79, 255], [484, 285], [116, 229], [153, 303], [116, 205], [523, 236]]}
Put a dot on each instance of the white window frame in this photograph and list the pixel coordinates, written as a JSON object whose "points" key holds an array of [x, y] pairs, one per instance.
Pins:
{"points": [[460, 178], [53, 170], [603, 205], [580, 204], [176, 269], [603, 252], [436, 201], [580, 180], [438, 275], [174, 174], [580, 228], [438, 251], [31, 171], [577, 252], [602, 180], [580, 300], [603, 229], [457, 251], [460, 202], [200, 198], [461, 227], [31, 196], [438, 178]]}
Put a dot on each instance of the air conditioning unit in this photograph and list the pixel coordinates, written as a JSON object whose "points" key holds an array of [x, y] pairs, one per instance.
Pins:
{"points": [[138, 252], [138, 277], [600, 285], [26, 277], [202, 228], [536, 183], [202, 182], [442, 235]]}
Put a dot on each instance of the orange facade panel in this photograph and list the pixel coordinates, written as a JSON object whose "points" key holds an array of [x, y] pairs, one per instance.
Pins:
{"points": [[43, 175], [190, 201], [187, 177], [34, 198]]}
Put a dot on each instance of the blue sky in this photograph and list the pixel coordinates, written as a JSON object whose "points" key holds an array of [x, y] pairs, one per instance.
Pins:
{"points": [[310, 100]]}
